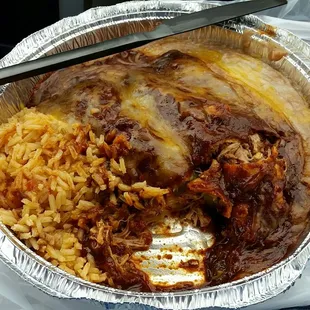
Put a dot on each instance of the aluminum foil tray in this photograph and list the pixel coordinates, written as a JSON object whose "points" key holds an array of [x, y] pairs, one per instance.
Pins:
{"points": [[104, 23]]}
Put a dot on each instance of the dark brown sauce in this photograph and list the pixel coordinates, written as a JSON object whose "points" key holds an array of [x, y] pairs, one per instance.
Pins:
{"points": [[190, 265], [168, 256]]}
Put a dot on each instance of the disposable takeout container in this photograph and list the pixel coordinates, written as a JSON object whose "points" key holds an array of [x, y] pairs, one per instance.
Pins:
{"points": [[104, 23]]}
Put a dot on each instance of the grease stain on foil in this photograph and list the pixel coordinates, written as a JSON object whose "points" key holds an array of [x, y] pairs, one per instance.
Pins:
{"points": [[176, 254]]}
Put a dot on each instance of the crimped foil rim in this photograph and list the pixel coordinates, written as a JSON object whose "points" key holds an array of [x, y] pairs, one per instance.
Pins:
{"points": [[43, 275]]}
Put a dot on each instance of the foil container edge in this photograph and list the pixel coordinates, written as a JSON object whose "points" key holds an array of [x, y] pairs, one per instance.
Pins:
{"points": [[43, 275]]}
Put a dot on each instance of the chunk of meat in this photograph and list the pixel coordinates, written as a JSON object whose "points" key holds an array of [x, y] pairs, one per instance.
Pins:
{"points": [[211, 183], [246, 177]]}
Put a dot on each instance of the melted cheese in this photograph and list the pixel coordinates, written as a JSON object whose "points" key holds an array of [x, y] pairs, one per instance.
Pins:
{"points": [[139, 105]]}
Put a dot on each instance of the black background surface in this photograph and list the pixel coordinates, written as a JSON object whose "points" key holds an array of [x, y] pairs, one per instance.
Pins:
{"points": [[20, 18]]}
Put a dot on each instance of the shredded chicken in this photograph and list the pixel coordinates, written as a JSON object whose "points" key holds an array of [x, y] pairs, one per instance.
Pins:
{"points": [[236, 151]]}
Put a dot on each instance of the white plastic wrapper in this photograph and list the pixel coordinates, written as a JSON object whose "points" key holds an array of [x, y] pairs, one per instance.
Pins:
{"points": [[294, 17], [298, 10], [16, 294], [301, 29]]}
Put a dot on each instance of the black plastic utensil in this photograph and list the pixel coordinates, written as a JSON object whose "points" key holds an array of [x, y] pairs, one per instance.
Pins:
{"points": [[169, 27]]}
